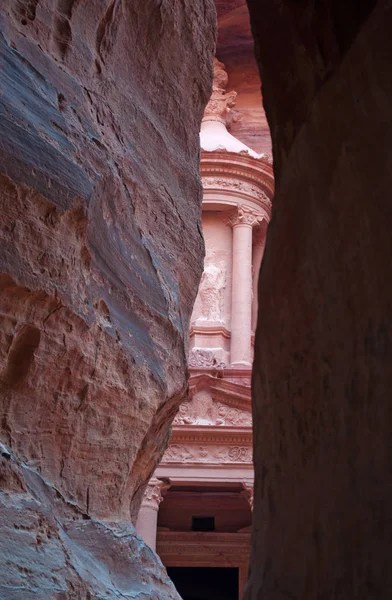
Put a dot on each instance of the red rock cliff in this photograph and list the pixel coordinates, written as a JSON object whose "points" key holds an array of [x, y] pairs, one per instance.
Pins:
{"points": [[322, 371], [101, 253]]}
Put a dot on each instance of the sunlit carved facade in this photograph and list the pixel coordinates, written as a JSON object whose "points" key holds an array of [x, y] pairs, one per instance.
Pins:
{"points": [[206, 473]]}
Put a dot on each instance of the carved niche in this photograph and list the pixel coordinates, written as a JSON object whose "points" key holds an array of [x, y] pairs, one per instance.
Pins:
{"points": [[211, 292]]}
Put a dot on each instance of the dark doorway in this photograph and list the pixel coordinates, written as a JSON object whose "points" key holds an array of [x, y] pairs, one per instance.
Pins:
{"points": [[205, 583]]}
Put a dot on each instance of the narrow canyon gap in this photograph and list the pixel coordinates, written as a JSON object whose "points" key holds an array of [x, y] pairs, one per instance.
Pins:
{"points": [[101, 256], [322, 372]]}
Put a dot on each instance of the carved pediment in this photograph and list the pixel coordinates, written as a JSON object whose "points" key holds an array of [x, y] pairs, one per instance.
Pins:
{"points": [[201, 409]]}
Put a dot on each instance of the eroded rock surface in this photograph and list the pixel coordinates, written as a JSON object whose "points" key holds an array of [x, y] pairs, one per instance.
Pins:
{"points": [[322, 371], [50, 549], [100, 248]]}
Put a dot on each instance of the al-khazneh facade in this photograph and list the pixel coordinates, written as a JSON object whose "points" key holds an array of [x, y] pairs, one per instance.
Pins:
{"points": [[207, 470]]}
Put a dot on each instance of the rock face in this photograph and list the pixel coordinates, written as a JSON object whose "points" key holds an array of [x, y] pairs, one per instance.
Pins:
{"points": [[100, 248], [235, 49], [322, 372], [50, 550]]}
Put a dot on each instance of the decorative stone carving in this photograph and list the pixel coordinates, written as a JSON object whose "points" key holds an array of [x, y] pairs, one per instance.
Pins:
{"points": [[237, 185], [212, 454], [244, 214], [248, 492], [221, 102], [202, 410], [200, 357], [153, 494], [211, 292]]}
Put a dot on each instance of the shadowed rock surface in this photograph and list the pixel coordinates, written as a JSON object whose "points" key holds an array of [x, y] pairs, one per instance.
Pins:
{"points": [[101, 254], [322, 371]]}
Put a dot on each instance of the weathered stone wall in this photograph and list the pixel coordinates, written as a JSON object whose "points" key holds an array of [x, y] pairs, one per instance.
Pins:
{"points": [[322, 374], [100, 250]]}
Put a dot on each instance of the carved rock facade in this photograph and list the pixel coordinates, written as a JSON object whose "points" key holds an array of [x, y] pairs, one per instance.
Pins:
{"points": [[208, 463]]}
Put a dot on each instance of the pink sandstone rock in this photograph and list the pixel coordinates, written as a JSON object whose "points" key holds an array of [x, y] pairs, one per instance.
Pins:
{"points": [[322, 371], [101, 254], [235, 50]]}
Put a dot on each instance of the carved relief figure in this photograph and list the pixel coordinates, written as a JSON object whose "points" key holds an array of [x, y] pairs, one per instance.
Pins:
{"points": [[211, 292], [201, 357], [202, 410]]}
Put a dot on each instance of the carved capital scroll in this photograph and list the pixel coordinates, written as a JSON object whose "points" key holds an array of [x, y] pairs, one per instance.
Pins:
{"points": [[153, 494], [245, 215], [248, 492]]}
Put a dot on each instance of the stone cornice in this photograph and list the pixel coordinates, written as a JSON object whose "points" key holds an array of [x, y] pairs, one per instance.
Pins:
{"points": [[209, 330], [199, 537], [211, 435], [233, 166]]}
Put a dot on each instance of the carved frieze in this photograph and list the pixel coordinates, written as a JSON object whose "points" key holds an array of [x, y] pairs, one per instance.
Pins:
{"points": [[211, 454], [236, 185]]}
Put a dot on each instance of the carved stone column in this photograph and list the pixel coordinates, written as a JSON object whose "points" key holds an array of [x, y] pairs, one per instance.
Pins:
{"points": [[147, 520], [242, 222], [258, 251]]}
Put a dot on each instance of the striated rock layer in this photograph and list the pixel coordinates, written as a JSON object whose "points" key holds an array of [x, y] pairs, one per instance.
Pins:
{"points": [[100, 248], [322, 371]]}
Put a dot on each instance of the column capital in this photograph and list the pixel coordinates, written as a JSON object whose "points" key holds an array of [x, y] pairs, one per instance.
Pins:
{"points": [[243, 215], [247, 492], [153, 494]]}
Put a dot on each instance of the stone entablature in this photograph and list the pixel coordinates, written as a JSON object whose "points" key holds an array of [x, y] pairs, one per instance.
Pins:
{"points": [[235, 178], [207, 548], [212, 454]]}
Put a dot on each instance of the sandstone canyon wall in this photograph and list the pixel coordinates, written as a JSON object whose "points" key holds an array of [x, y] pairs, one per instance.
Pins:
{"points": [[322, 371], [235, 48], [101, 254]]}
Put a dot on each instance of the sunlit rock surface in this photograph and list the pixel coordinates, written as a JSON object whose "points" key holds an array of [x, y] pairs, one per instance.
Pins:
{"points": [[100, 254], [235, 50], [322, 371]]}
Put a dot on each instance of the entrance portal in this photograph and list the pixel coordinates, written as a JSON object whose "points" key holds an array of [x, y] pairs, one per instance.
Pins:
{"points": [[205, 583]]}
